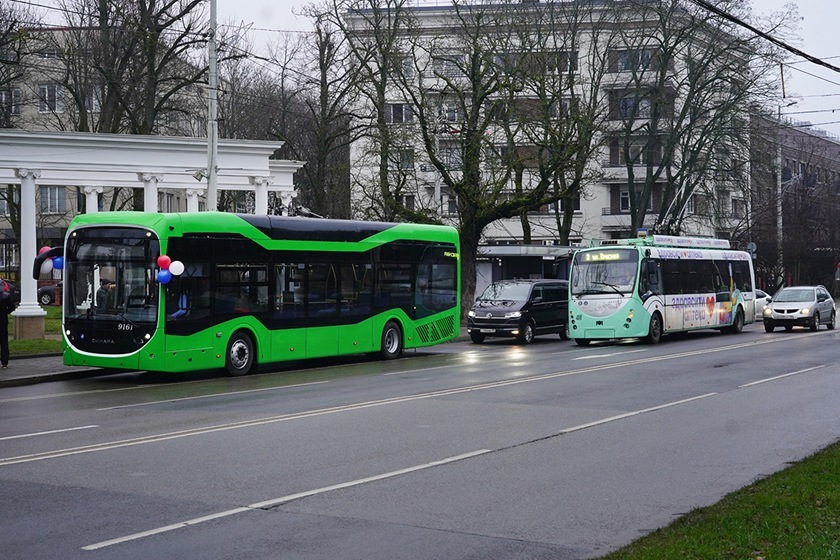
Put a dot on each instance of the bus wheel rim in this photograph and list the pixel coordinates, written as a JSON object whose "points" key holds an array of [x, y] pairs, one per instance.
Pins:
{"points": [[239, 354], [391, 341]]}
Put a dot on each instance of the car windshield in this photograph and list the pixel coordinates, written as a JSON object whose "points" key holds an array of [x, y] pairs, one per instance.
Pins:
{"points": [[507, 291], [795, 294]]}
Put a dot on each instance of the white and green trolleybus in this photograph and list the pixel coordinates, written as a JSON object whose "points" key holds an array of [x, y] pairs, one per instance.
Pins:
{"points": [[191, 291], [651, 286]]}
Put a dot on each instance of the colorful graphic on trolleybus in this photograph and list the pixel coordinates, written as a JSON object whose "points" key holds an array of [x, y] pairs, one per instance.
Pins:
{"points": [[647, 287], [179, 292]]}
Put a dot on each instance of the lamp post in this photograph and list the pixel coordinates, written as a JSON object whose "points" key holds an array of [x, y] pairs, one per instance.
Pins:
{"points": [[780, 278], [212, 117]]}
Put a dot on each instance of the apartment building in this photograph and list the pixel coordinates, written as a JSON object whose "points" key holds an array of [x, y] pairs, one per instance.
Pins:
{"points": [[600, 63]]}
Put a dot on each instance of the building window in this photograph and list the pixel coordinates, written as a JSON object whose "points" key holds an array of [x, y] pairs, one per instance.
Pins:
{"points": [[452, 157], [624, 200], [634, 107], [51, 98], [633, 60], [401, 159], [53, 200], [167, 202], [689, 205], [452, 206], [448, 66], [92, 100], [408, 202], [10, 101], [398, 113]]}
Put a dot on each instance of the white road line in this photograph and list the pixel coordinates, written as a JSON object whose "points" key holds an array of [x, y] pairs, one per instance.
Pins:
{"points": [[285, 499], [48, 432], [634, 413], [760, 381], [150, 403], [593, 356]]}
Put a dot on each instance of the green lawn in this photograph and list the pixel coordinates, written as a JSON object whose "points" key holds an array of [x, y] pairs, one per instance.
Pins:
{"points": [[793, 514], [52, 326]]}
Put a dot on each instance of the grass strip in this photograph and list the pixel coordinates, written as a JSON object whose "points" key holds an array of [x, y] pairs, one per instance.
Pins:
{"points": [[791, 515]]}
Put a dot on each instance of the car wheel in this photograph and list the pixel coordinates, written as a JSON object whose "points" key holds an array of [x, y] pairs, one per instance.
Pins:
{"points": [[240, 354], [816, 322], [831, 321], [526, 334], [768, 327], [45, 298], [391, 341], [655, 331], [789, 328], [477, 338]]}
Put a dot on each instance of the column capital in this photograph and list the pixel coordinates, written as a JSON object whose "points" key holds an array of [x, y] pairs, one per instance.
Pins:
{"points": [[148, 177], [24, 173], [195, 192], [92, 190], [258, 180]]}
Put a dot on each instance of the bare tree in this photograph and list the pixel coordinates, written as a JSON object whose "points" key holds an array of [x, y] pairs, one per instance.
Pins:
{"points": [[690, 80]]}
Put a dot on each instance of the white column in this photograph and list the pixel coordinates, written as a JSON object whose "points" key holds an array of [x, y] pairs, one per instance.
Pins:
{"points": [[28, 251], [150, 190], [92, 199], [287, 194], [261, 193], [192, 199]]}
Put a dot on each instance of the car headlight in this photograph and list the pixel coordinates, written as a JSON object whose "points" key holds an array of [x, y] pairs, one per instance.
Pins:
{"points": [[767, 310], [805, 310], [513, 315], [471, 313]]}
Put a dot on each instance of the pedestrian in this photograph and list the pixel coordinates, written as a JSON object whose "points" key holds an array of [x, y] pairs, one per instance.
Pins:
{"points": [[6, 307]]}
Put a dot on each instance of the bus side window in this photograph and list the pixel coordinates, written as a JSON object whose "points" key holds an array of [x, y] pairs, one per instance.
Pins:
{"points": [[650, 277]]}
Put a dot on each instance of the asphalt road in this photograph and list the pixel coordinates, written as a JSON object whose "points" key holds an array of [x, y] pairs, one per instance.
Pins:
{"points": [[459, 451]]}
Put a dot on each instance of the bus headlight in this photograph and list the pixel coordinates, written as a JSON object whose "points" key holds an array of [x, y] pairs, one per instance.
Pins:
{"points": [[513, 315]]}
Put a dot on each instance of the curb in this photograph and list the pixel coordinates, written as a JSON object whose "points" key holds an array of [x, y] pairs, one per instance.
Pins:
{"points": [[57, 376]]}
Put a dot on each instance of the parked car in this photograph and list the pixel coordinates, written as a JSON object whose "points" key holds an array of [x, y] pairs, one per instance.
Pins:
{"points": [[520, 308], [47, 294], [805, 306], [762, 298], [10, 288]]}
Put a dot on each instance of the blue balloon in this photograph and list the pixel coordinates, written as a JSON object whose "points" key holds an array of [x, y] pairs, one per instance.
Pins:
{"points": [[164, 276], [58, 263]]}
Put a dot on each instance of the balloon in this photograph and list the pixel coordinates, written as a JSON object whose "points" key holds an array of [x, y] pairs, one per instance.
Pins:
{"points": [[58, 263], [176, 268], [46, 266], [164, 276], [163, 262], [43, 249]]}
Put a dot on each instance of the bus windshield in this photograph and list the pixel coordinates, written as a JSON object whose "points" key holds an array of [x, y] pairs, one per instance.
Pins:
{"points": [[109, 275], [604, 271]]}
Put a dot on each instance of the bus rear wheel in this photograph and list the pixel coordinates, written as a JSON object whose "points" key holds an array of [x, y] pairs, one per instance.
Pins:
{"points": [[582, 341], [655, 331], [239, 358], [391, 341]]}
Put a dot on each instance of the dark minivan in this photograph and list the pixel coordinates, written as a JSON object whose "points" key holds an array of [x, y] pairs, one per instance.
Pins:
{"points": [[521, 309]]}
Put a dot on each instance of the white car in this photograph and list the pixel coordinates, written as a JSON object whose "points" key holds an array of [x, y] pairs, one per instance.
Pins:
{"points": [[762, 298]]}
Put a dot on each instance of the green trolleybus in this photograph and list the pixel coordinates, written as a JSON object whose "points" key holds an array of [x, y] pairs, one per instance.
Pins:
{"points": [[647, 287], [190, 291]]}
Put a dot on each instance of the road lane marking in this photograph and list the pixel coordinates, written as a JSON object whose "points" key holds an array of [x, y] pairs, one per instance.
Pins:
{"points": [[760, 381], [634, 413], [283, 500], [593, 356], [149, 403], [48, 432], [357, 406]]}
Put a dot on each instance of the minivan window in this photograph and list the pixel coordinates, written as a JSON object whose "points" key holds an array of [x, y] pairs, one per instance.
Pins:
{"points": [[506, 291]]}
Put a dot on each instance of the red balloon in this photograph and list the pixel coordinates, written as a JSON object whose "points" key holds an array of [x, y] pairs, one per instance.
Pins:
{"points": [[43, 249], [163, 262]]}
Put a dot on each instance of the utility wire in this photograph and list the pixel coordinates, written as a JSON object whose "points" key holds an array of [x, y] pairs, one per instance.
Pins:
{"points": [[729, 17]]}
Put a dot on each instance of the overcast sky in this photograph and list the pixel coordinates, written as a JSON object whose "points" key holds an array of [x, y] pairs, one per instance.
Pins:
{"points": [[816, 97]]}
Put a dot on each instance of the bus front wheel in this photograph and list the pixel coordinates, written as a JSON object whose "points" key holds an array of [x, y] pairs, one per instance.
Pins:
{"points": [[655, 331], [738, 323], [239, 358], [391, 341]]}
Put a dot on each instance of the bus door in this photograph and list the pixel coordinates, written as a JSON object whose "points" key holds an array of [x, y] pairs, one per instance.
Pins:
{"points": [[322, 301]]}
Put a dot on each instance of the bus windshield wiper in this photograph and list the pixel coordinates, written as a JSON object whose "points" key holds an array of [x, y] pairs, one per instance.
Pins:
{"points": [[613, 286]]}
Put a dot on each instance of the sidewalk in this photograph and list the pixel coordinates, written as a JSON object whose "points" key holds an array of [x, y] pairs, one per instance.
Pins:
{"points": [[28, 370]]}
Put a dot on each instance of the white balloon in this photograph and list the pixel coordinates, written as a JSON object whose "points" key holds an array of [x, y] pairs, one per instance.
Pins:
{"points": [[176, 268], [46, 266]]}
